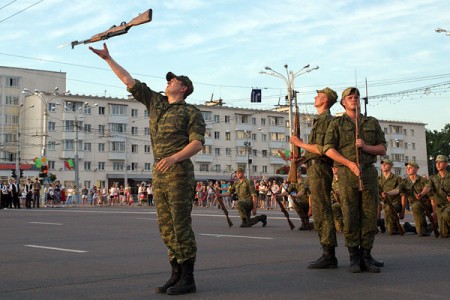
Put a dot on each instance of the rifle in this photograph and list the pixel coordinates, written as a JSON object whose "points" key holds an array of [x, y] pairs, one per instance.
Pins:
{"points": [[302, 213], [336, 196], [225, 210], [123, 28], [283, 209], [358, 150], [388, 201], [430, 217], [295, 154]]}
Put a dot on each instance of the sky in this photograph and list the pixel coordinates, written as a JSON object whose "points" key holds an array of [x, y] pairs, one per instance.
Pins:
{"points": [[222, 45]]}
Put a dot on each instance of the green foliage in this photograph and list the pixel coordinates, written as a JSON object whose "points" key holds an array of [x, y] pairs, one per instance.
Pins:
{"points": [[438, 142]]}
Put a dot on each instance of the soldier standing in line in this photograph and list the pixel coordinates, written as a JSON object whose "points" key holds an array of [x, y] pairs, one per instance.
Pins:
{"points": [[248, 201], [440, 188], [177, 131], [359, 208], [387, 182], [415, 189], [320, 176]]}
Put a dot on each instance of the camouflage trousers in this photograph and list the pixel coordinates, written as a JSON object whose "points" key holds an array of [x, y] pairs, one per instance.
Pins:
{"points": [[389, 218], [244, 208], [174, 198], [418, 208], [320, 177], [337, 216], [359, 209], [301, 207], [443, 214]]}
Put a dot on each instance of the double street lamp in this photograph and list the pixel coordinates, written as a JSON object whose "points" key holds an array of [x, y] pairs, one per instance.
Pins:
{"points": [[441, 30]]}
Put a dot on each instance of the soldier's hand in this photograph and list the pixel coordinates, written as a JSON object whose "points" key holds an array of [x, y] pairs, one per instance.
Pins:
{"points": [[354, 168], [401, 215], [164, 164], [384, 194], [295, 140], [360, 143], [103, 53], [254, 210]]}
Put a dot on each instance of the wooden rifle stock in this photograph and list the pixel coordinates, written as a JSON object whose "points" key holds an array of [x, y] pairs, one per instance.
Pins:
{"points": [[358, 150], [286, 214], [123, 28], [430, 217], [225, 210], [388, 202]]}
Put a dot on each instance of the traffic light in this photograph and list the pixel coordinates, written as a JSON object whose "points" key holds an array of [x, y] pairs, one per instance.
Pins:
{"points": [[13, 173], [44, 170]]}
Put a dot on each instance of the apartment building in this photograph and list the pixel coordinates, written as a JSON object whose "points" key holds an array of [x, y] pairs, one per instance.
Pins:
{"points": [[110, 136]]}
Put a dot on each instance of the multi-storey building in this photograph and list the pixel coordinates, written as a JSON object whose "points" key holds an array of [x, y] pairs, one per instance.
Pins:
{"points": [[110, 136]]}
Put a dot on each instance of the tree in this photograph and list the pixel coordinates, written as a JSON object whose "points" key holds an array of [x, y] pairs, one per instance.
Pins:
{"points": [[438, 142]]}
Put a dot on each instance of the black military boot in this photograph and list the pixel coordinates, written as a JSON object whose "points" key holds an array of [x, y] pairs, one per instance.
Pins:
{"points": [[245, 223], [382, 226], [263, 219], [354, 259], [305, 225], [328, 259], [186, 284], [409, 228], [367, 262], [176, 273], [375, 262]]}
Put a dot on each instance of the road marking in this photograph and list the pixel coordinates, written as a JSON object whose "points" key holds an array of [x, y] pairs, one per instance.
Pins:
{"points": [[237, 236], [146, 219], [44, 223], [56, 249]]}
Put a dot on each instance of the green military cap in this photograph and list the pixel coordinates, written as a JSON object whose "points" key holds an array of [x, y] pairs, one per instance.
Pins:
{"points": [[387, 161], [349, 91], [412, 164], [331, 94], [441, 157], [239, 170]]}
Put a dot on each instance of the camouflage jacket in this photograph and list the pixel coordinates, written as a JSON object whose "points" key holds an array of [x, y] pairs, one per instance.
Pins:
{"points": [[341, 136], [172, 126], [410, 188], [440, 189], [317, 135], [387, 184], [298, 187], [244, 189]]}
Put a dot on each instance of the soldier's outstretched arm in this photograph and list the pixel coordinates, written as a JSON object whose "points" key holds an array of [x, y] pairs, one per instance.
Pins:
{"points": [[123, 74]]}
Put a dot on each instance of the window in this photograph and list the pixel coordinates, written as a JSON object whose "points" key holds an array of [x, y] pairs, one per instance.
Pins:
{"points": [[88, 147], [101, 129], [263, 121], [412, 132], [51, 146], [242, 151], [413, 146], [253, 136], [69, 145], [87, 128], [118, 166], [228, 136], [254, 152], [118, 110], [12, 100], [146, 131], [134, 130], [134, 112], [147, 166], [216, 168], [134, 148], [254, 169], [254, 121], [52, 107], [264, 137], [51, 165], [278, 137], [414, 158], [101, 110], [406, 158], [134, 166], [227, 119], [101, 165], [204, 167], [118, 127], [117, 146], [147, 149], [385, 130], [276, 121], [245, 119], [87, 165], [51, 126], [206, 150], [228, 151], [206, 115], [404, 131], [264, 154], [216, 119], [13, 81], [264, 169], [217, 151], [101, 147], [216, 135]]}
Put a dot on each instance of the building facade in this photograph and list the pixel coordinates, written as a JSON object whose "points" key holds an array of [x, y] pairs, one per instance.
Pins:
{"points": [[107, 139]]}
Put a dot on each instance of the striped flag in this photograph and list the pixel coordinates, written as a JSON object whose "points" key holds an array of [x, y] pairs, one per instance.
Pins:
{"points": [[69, 164]]}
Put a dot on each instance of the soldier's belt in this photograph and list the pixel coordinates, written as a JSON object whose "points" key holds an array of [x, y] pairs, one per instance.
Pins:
{"points": [[318, 162]]}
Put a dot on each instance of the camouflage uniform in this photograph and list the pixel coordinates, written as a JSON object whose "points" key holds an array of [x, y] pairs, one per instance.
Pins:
{"points": [[320, 177], [244, 189], [410, 189], [301, 204], [336, 205], [172, 127], [359, 209], [440, 188], [385, 185]]}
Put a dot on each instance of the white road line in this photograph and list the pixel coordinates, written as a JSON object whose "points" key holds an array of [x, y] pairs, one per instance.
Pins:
{"points": [[56, 249], [44, 223], [146, 219], [237, 236]]}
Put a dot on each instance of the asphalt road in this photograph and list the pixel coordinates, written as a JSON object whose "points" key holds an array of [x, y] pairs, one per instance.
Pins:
{"points": [[116, 253]]}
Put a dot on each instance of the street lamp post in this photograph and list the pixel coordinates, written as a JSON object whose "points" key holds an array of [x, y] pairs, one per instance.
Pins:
{"points": [[75, 114], [19, 140], [247, 149], [289, 79]]}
